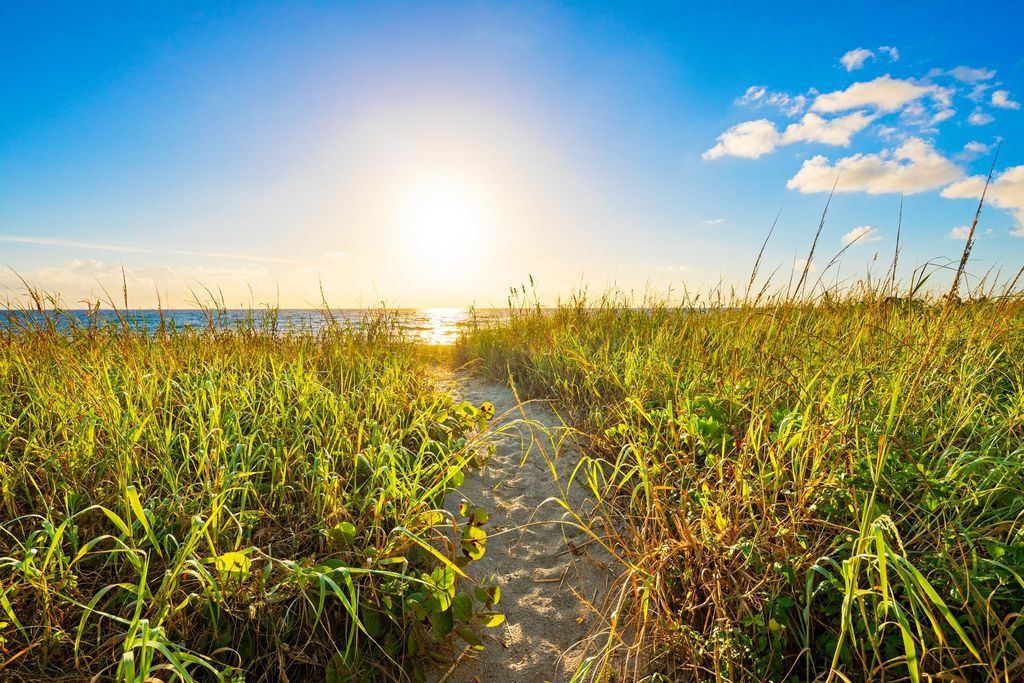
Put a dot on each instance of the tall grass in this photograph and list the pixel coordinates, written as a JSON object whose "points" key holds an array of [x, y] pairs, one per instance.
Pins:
{"points": [[794, 489], [240, 504]]}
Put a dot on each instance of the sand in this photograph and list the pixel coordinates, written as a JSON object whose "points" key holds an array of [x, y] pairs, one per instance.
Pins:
{"points": [[547, 571]]}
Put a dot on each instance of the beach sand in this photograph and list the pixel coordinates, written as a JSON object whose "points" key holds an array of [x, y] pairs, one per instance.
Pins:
{"points": [[547, 570]]}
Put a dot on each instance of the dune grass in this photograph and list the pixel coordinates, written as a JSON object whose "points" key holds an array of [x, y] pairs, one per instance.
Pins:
{"points": [[794, 489], [227, 504]]}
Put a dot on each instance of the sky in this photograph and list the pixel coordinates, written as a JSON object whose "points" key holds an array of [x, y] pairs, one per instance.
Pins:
{"points": [[436, 154]]}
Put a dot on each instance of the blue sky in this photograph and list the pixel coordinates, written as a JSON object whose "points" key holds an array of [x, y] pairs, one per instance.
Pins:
{"points": [[435, 153]]}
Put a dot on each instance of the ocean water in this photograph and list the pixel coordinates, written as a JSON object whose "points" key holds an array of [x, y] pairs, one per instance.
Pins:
{"points": [[431, 325]]}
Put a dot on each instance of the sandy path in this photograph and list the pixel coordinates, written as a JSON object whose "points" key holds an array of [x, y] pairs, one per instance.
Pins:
{"points": [[543, 568]]}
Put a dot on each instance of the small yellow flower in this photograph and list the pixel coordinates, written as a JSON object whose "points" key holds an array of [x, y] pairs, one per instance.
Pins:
{"points": [[487, 408]]}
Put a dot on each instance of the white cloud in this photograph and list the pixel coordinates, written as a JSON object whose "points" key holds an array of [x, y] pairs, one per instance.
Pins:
{"points": [[753, 139], [960, 232], [943, 96], [894, 54], [129, 249], [904, 112], [862, 234], [926, 115], [760, 96], [71, 244], [673, 269], [77, 267], [713, 221], [913, 167], [755, 94], [837, 131], [335, 254], [1005, 192], [967, 74], [78, 280], [1001, 99], [800, 263], [979, 118], [973, 150], [884, 93], [891, 134], [750, 140], [854, 59], [977, 93]]}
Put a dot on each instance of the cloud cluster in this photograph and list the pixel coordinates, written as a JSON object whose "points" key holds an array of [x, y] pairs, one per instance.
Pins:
{"points": [[910, 106], [903, 112], [834, 117]]}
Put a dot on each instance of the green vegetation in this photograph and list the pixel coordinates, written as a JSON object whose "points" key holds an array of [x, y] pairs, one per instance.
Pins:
{"points": [[201, 504], [827, 490], [791, 489]]}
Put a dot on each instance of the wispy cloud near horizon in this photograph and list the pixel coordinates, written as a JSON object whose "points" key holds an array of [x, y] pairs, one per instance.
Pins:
{"points": [[131, 249]]}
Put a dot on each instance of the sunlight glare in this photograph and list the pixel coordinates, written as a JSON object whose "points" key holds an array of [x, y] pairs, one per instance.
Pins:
{"points": [[443, 224]]}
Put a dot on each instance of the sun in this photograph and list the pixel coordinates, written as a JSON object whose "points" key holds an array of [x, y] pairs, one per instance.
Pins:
{"points": [[443, 222]]}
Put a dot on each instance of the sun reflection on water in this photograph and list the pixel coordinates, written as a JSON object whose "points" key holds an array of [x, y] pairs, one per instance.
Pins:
{"points": [[440, 325]]}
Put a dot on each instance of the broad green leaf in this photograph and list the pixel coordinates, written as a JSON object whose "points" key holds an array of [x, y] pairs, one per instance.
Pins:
{"points": [[234, 564], [442, 623], [471, 638], [342, 535], [462, 607], [491, 619]]}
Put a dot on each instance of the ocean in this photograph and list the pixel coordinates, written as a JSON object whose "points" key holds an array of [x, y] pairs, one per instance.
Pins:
{"points": [[431, 325]]}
